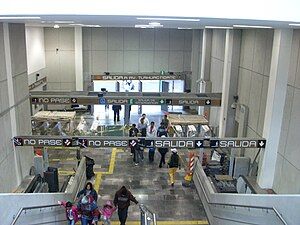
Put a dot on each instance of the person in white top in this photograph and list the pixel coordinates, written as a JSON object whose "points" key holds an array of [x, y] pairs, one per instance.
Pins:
{"points": [[146, 121], [151, 133]]}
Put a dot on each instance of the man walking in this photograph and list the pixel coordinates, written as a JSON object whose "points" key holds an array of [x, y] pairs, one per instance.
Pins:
{"points": [[116, 109], [122, 201], [174, 164]]}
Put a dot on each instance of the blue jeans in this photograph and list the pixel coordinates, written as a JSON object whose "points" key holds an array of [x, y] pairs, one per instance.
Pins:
{"points": [[71, 222], [85, 221]]}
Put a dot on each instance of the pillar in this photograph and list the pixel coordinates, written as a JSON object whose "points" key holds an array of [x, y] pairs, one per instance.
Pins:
{"points": [[277, 89], [78, 59], [230, 82]]}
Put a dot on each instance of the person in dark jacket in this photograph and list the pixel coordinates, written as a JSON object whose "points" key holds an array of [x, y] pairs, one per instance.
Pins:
{"points": [[122, 201], [161, 130], [88, 209], [88, 190], [163, 152], [133, 132], [174, 164], [116, 109]]}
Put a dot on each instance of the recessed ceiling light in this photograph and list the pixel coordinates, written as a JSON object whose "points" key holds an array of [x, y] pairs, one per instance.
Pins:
{"points": [[91, 25], [147, 26], [165, 18], [252, 26], [62, 21], [154, 23], [184, 28], [56, 26], [20, 18], [295, 24], [217, 27]]}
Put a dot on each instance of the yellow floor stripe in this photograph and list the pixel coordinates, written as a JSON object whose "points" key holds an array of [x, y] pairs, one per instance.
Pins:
{"points": [[112, 163]]}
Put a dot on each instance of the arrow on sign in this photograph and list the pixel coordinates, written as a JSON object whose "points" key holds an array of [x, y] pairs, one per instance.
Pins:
{"points": [[74, 100], [131, 101], [67, 142], [261, 143], [199, 143], [207, 102]]}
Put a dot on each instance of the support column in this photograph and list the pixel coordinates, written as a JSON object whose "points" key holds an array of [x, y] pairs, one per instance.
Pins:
{"points": [[11, 98], [230, 82], [281, 51], [195, 60], [78, 59], [205, 83]]}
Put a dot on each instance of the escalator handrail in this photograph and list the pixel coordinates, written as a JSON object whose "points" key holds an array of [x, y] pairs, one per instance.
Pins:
{"points": [[16, 217], [236, 205]]}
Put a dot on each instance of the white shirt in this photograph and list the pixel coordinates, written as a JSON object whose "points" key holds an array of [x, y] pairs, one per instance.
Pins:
{"points": [[146, 121], [151, 133]]}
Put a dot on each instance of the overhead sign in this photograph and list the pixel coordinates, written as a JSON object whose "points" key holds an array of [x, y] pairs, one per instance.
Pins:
{"points": [[138, 77], [52, 100], [96, 142]]}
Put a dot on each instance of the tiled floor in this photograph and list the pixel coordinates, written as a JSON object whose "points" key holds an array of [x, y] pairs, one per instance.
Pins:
{"points": [[148, 183]]}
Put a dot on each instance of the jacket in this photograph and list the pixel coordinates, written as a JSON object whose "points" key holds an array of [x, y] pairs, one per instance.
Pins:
{"points": [[89, 211], [116, 108], [162, 131], [74, 212], [84, 191], [133, 132], [107, 211], [174, 161], [123, 197]]}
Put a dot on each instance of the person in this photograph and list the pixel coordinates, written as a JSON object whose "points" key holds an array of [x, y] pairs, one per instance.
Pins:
{"points": [[146, 121], [122, 201], [174, 164], [151, 133], [161, 130], [107, 212], [88, 190], [163, 152], [71, 212], [138, 151], [116, 109], [165, 121], [142, 126], [133, 131], [88, 209]]}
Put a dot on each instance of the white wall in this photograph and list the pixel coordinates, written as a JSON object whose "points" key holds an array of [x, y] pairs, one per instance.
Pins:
{"points": [[287, 165], [216, 70], [60, 58], [35, 49], [254, 69], [135, 50]]}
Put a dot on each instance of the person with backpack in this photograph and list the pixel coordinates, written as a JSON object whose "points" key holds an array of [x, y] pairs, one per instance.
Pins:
{"points": [[122, 201], [88, 209], [174, 164], [88, 190]]}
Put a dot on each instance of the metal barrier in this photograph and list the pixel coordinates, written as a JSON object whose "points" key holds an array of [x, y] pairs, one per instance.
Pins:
{"points": [[147, 217], [236, 209]]}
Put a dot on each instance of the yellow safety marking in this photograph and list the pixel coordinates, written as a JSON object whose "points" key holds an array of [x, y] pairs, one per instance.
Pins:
{"points": [[112, 163]]}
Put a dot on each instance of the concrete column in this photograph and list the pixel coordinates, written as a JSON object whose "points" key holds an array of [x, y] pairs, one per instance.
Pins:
{"points": [[195, 60], [277, 89], [205, 83], [230, 82], [78, 59], [11, 98]]}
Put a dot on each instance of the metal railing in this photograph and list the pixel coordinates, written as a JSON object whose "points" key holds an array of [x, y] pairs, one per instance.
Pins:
{"points": [[212, 201], [19, 213], [147, 217]]}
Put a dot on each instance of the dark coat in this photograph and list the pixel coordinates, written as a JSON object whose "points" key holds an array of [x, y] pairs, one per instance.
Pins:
{"points": [[123, 197], [116, 108], [174, 161], [84, 192]]}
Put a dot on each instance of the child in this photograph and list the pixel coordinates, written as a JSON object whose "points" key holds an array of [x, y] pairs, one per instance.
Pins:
{"points": [[71, 212], [107, 212]]}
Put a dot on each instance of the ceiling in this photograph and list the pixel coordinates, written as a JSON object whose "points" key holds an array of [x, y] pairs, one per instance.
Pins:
{"points": [[120, 13]]}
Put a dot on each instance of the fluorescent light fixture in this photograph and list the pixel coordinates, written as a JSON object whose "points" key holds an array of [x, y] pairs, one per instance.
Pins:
{"points": [[56, 26], [295, 24], [169, 19], [252, 26], [91, 25], [154, 24], [62, 21], [217, 27], [184, 28], [20, 18], [146, 26]]}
